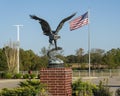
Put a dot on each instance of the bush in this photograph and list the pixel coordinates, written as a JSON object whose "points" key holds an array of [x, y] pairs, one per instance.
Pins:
{"points": [[26, 76], [6, 75], [27, 88], [102, 90], [1, 75], [35, 83], [80, 88], [38, 76], [17, 76], [23, 91], [32, 76]]}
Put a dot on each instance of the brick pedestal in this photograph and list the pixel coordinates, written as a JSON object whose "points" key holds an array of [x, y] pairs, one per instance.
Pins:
{"points": [[58, 80]]}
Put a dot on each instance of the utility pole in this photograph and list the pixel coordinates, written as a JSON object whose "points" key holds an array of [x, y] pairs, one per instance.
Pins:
{"points": [[18, 45]]}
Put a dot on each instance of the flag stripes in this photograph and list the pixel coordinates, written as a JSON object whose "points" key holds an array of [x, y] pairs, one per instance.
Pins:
{"points": [[79, 21]]}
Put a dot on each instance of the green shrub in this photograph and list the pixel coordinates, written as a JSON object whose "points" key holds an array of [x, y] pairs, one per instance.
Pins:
{"points": [[1, 75], [26, 76], [22, 91], [6, 75], [39, 88], [27, 88], [29, 76], [102, 90], [32, 76], [80, 88], [17, 76], [35, 83], [38, 76]]}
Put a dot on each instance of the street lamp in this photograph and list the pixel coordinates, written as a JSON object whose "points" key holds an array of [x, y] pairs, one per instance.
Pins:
{"points": [[18, 45]]}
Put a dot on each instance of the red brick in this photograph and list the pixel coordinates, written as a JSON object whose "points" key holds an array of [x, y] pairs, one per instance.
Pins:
{"points": [[58, 80]]}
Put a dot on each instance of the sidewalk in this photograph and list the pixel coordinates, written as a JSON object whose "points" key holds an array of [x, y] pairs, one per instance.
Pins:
{"points": [[9, 83]]}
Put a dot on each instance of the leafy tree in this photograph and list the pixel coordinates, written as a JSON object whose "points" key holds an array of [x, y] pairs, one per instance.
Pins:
{"points": [[43, 51], [96, 57], [112, 58], [71, 59], [3, 62], [11, 56], [117, 58], [44, 61], [31, 61], [79, 54], [27, 59]]}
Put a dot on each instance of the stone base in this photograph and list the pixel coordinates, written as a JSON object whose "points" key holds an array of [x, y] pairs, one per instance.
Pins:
{"points": [[58, 81], [56, 65]]}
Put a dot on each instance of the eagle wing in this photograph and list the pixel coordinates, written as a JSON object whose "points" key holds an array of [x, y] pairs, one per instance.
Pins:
{"points": [[44, 25], [62, 22]]}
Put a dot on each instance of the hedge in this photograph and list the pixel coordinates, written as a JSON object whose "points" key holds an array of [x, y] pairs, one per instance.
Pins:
{"points": [[27, 88]]}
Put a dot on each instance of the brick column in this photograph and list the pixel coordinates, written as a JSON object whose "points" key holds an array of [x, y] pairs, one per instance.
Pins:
{"points": [[58, 80]]}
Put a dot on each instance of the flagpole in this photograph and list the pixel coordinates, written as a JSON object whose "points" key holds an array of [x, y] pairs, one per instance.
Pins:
{"points": [[79, 22], [89, 60]]}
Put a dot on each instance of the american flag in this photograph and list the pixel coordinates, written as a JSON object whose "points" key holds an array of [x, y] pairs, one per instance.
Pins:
{"points": [[79, 21]]}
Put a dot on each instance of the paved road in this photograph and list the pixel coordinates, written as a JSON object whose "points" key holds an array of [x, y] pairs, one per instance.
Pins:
{"points": [[9, 83]]}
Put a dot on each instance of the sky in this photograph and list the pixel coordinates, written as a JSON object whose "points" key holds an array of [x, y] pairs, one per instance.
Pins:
{"points": [[104, 26]]}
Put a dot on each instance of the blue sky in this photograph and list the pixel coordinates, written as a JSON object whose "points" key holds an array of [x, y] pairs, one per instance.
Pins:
{"points": [[104, 23]]}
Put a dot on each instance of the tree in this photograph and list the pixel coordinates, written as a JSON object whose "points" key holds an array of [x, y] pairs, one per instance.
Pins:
{"points": [[112, 58], [79, 54], [96, 57], [26, 59], [3, 61], [71, 59], [43, 51], [11, 56]]}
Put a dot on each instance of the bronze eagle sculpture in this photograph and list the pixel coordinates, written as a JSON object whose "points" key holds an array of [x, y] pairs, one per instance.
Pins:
{"points": [[53, 35]]}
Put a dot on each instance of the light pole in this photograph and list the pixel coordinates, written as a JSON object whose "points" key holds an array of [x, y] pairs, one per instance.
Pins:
{"points": [[18, 45]]}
